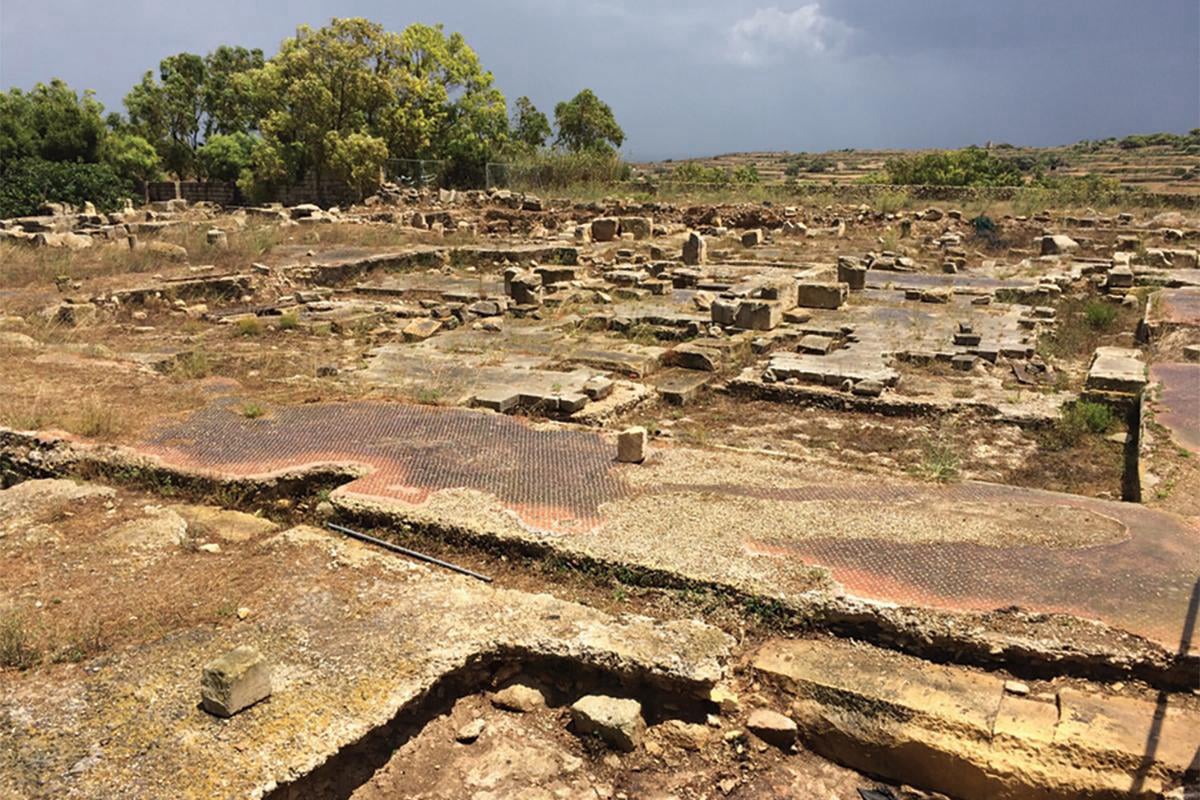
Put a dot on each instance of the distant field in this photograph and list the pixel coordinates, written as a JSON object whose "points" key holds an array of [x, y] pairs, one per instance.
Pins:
{"points": [[1153, 168]]}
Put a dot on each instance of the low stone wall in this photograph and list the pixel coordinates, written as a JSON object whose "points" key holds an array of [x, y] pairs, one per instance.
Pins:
{"points": [[226, 193], [221, 192], [866, 192]]}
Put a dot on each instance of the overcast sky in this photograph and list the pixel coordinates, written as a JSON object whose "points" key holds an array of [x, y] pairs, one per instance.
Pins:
{"points": [[713, 76]]}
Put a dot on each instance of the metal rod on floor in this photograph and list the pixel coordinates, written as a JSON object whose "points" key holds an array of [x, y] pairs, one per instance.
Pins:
{"points": [[395, 548]]}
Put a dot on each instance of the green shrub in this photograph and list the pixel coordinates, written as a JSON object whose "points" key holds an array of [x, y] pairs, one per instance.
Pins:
{"points": [[746, 175], [556, 169], [248, 326], [27, 183], [694, 172], [252, 410], [1079, 419], [1100, 315], [1090, 189], [288, 321], [972, 166], [984, 225], [224, 155], [939, 462], [804, 162], [891, 202], [17, 648]]}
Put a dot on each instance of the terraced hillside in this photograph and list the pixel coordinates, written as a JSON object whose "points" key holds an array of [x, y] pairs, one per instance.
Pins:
{"points": [[1156, 168]]}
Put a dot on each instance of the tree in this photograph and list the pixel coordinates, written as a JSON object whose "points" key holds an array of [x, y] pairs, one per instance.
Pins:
{"points": [[422, 92], [587, 123], [27, 183], [228, 98], [17, 136], [530, 127], [194, 98], [358, 159], [333, 80], [447, 106], [223, 156], [170, 112], [52, 122], [131, 157]]}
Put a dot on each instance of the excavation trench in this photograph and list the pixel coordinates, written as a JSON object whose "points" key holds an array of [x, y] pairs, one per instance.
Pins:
{"points": [[1005, 639], [561, 680]]}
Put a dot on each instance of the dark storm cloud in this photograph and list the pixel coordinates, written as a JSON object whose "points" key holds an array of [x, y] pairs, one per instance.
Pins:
{"points": [[688, 78]]}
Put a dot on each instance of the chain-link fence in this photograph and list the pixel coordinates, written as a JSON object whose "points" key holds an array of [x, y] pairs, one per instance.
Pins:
{"points": [[415, 172], [557, 172]]}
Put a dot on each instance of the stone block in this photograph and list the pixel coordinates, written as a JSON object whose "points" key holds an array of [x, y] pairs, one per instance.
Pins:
{"points": [[605, 229], [821, 294], [502, 399], [724, 311], [1058, 244], [618, 721], [235, 681], [853, 275], [418, 330], [640, 227], [812, 343], [758, 315], [1116, 369], [772, 727], [691, 356], [695, 250], [631, 445]]}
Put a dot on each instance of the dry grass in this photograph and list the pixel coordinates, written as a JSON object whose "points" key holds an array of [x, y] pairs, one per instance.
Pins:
{"points": [[17, 647], [97, 419], [29, 266]]}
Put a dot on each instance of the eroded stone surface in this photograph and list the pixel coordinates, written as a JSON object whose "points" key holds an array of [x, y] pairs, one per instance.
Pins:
{"points": [[957, 731]]}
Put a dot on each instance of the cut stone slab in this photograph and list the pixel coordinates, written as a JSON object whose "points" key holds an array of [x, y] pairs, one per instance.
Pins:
{"points": [[821, 294], [1119, 278], [640, 227], [867, 388], [234, 682], [502, 399], [680, 386], [957, 731], [1058, 244], [815, 344], [1116, 369], [618, 721], [421, 329], [758, 315], [691, 356], [963, 362], [772, 727], [631, 445]]}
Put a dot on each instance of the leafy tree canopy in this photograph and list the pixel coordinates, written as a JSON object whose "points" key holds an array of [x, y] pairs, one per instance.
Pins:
{"points": [[530, 127], [192, 98], [131, 158], [223, 156], [585, 122], [422, 92], [51, 122]]}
